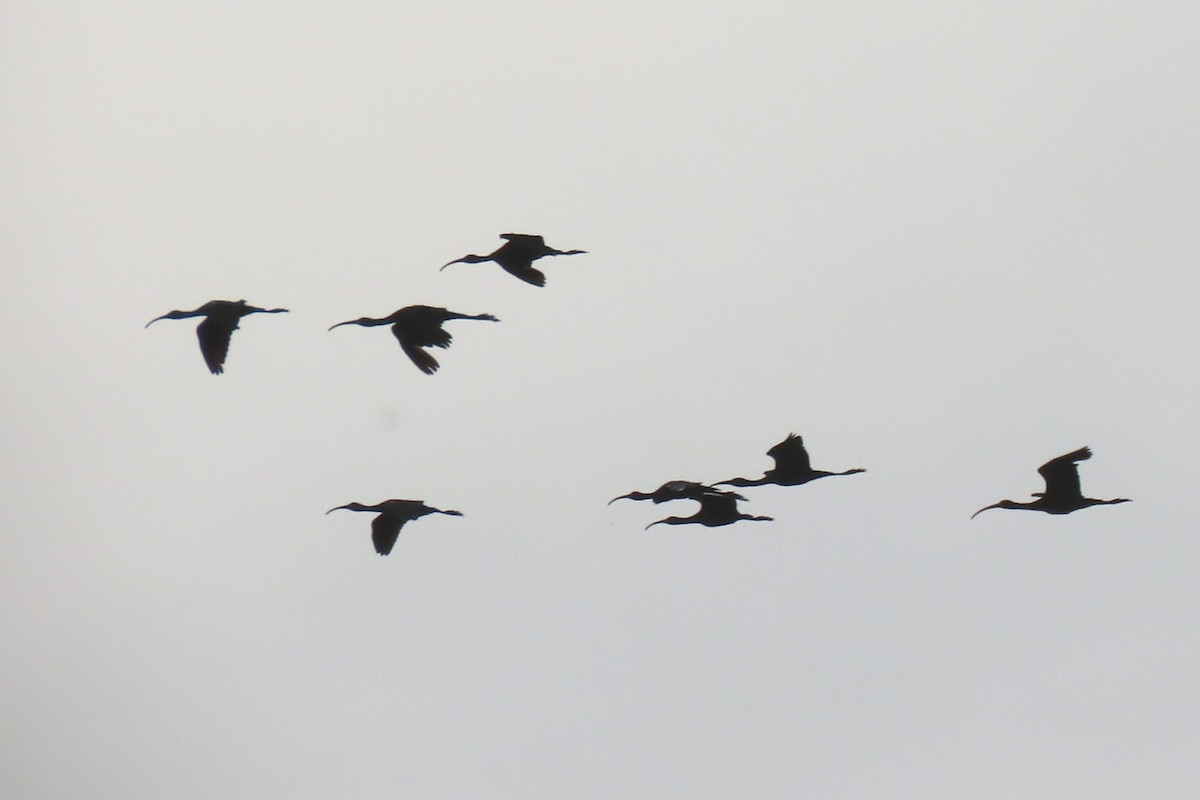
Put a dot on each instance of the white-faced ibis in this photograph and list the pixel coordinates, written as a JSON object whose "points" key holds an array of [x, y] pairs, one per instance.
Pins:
{"points": [[385, 528], [792, 467], [1062, 495], [516, 256], [221, 319], [715, 510], [416, 327], [675, 490]]}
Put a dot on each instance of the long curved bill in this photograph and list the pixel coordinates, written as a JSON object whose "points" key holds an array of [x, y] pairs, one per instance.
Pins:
{"points": [[985, 508]]}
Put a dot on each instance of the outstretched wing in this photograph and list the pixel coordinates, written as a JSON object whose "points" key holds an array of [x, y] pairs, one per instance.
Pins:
{"points": [[425, 362], [688, 490], [517, 255], [420, 325], [424, 330], [385, 530], [1062, 475], [525, 239], [718, 506], [418, 331], [525, 271], [214, 334], [790, 455]]}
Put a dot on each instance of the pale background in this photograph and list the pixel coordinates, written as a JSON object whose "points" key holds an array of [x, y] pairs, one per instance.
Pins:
{"points": [[943, 241]]}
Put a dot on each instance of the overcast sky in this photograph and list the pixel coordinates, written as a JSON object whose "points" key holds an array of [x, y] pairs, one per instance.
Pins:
{"points": [[941, 241]]}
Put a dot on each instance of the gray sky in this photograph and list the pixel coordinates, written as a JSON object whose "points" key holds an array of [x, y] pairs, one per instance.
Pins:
{"points": [[943, 242]]}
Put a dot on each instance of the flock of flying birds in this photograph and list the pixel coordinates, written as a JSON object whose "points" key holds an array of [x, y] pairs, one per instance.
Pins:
{"points": [[420, 327]]}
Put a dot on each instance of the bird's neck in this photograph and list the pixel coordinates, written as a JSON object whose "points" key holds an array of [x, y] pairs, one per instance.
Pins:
{"points": [[368, 322], [746, 481]]}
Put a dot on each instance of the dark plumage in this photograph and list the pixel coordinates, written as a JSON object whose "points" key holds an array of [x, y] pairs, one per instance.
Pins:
{"points": [[516, 256], [1063, 493], [385, 528], [675, 490], [792, 467], [416, 327], [221, 320], [715, 510]]}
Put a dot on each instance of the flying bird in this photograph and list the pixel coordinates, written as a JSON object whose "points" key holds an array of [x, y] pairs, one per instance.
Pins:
{"points": [[221, 319], [516, 256], [676, 490], [1062, 495], [792, 467], [416, 327], [715, 510], [385, 528]]}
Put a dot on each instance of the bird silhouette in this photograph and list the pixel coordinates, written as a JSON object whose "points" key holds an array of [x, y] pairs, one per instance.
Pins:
{"points": [[1062, 495], [516, 256], [416, 327], [675, 490], [385, 528], [792, 467], [715, 510], [221, 319]]}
